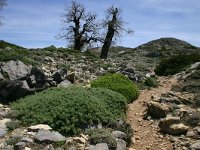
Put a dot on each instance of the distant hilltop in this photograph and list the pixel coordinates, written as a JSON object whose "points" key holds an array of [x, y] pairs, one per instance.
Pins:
{"points": [[167, 44]]}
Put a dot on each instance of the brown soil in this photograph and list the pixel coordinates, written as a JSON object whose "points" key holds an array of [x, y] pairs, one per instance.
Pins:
{"points": [[146, 133]]}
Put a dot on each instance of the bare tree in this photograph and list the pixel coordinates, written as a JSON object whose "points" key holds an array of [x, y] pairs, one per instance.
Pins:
{"points": [[115, 26], [79, 26], [2, 4]]}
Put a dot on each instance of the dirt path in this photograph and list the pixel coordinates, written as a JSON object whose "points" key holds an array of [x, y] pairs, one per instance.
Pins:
{"points": [[146, 135]]}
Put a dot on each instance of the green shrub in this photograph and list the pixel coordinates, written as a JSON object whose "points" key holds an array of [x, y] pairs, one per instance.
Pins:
{"points": [[175, 64], [102, 136], [70, 110], [152, 82], [13, 140], [14, 124], [118, 83]]}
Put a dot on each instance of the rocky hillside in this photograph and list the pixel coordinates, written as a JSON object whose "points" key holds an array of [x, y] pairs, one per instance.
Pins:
{"points": [[166, 47], [162, 117]]}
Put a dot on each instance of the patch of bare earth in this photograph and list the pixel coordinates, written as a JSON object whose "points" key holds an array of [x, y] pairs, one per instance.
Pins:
{"points": [[146, 133]]}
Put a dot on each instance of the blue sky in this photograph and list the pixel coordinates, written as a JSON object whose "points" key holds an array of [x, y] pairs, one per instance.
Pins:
{"points": [[35, 23]]}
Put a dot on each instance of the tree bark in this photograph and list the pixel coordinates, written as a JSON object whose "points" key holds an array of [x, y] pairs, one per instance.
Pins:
{"points": [[109, 35], [107, 43]]}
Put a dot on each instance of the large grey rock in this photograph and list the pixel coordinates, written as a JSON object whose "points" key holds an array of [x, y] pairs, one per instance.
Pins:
{"points": [[47, 136], [12, 90], [59, 75], [37, 78], [15, 70], [173, 126], [195, 146], [65, 83], [99, 146], [119, 134], [121, 144], [157, 110]]}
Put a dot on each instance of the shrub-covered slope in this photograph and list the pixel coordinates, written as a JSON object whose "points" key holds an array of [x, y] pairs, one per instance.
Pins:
{"points": [[71, 110]]}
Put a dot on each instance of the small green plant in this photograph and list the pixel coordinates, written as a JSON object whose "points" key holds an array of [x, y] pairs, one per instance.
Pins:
{"points": [[64, 66], [14, 124], [13, 140], [70, 110], [151, 82], [118, 83], [102, 136]]}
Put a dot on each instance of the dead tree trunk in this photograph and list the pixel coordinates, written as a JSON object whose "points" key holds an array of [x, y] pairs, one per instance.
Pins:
{"points": [[109, 35]]}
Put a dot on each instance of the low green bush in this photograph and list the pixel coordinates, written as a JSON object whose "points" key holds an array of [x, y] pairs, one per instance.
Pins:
{"points": [[102, 136], [151, 82], [118, 83], [175, 64], [70, 110]]}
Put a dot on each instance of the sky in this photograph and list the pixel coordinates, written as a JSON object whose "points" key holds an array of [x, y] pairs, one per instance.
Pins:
{"points": [[36, 23]]}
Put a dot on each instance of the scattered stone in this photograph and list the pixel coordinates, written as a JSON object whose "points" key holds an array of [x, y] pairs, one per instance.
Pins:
{"points": [[49, 147], [71, 77], [47, 136], [3, 127], [38, 127], [119, 134], [174, 100], [65, 83], [157, 110], [27, 140], [3, 131], [172, 125], [121, 144], [20, 146], [49, 59], [1, 77], [76, 143], [195, 146], [99, 146], [177, 129]]}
